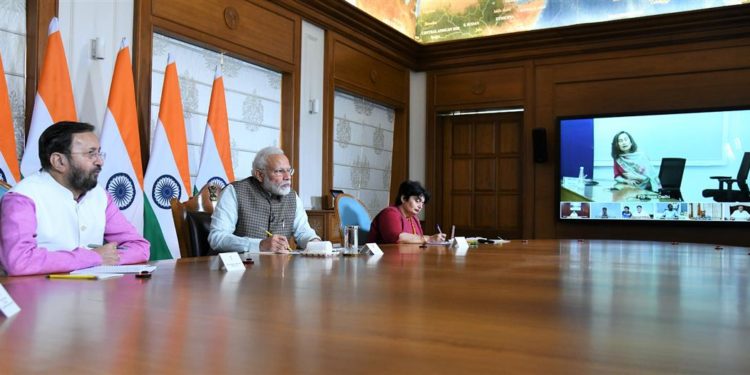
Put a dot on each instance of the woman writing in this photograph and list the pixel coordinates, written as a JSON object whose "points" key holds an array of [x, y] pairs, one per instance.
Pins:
{"points": [[399, 223], [632, 167]]}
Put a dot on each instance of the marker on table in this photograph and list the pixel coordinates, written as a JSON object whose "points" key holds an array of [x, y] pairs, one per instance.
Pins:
{"points": [[73, 277], [453, 231]]}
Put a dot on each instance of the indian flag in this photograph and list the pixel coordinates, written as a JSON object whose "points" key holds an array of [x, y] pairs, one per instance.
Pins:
{"points": [[122, 173], [216, 161], [9, 171], [54, 98], [167, 174]]}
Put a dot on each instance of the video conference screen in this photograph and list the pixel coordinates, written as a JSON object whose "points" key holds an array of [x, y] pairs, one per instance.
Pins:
{"points": [[677, 166]]}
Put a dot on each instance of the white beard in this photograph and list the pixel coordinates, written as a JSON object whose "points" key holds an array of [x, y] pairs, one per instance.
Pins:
{"points": [[279, 190]]}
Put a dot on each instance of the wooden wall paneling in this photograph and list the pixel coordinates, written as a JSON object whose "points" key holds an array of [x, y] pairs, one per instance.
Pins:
{"points": [[38, 15], [656, 93], [325, 224], [658, 31], [329, 89], [142, 56], [255, 26], [528, 200], [290, 104], [663, 60], [485, 212], [544, 182], [480, 86], [509, 193], [372, 76]]}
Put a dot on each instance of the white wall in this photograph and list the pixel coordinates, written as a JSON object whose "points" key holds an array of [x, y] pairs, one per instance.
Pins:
{"points": [[81, 21], [310, 174]]}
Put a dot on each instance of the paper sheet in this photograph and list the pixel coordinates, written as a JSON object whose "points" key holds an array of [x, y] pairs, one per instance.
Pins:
{"points": [[132, 268]]}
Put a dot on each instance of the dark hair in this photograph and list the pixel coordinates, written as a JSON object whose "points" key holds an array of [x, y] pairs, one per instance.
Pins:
{"points": [[411, 189], [616, 152], [58, 138]]}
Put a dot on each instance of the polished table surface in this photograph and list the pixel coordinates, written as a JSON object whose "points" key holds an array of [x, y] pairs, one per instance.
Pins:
{"points": [[542, 306], [572, 190]]}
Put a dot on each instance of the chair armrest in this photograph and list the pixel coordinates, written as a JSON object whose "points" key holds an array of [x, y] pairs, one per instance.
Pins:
{"points": [[722, 180]]}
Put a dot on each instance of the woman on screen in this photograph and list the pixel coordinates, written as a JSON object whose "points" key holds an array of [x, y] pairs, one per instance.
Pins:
{"points": [[399, 223], [631, 166]]}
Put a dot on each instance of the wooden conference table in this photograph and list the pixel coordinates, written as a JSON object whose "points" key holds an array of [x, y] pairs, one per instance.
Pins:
{"points": [[571, 190], [544, 306]]}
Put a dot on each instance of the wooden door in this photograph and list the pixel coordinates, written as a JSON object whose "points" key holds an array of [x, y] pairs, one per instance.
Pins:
{"points": [[481, 175]]}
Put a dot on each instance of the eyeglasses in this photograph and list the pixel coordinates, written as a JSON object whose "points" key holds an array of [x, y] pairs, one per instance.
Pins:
{"points": [[92, 155], [282, 171]]}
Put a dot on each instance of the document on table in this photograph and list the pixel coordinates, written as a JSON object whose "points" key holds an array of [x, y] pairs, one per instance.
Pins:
{"points": [[438, 243], [132, 268]]}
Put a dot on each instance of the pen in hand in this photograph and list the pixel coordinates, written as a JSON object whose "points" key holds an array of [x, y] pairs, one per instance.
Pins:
{"points": [[271, 235], [438, 228]]}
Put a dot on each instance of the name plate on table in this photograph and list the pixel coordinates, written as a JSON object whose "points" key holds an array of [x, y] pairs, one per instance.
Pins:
{"points": [[460, 245], [373, 249], [228, 261], [7, 305]]}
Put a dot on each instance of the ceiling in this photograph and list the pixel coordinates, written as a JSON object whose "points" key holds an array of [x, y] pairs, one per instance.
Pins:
{"points": [[429, 21]]}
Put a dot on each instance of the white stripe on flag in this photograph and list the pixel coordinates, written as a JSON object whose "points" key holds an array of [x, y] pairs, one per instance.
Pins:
{"points": [[117, 175], [161, 183]]}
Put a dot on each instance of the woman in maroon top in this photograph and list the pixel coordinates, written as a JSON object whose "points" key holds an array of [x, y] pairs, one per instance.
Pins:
{"points": [[399, 223]]}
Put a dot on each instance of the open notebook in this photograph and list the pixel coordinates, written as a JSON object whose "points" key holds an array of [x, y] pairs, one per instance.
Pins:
{"points": [[132, 268]]}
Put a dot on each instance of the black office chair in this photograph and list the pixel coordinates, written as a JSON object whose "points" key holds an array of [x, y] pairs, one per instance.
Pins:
{"points": [[191, 227], [199, 225], [670, 176], [725, 193]]}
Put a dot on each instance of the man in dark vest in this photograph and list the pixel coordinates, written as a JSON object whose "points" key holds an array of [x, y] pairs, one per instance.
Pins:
{"points": [[260, 212]]}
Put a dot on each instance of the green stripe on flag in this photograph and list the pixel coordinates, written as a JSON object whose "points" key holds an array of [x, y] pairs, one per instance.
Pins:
{"points": [[152, 232]]}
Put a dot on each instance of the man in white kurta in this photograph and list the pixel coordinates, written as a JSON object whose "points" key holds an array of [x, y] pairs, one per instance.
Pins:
{"points": [[59, 219]]}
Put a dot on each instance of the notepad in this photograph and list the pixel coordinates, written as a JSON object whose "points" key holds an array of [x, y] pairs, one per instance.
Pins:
{"points": [[133, 268], [437, 243]]}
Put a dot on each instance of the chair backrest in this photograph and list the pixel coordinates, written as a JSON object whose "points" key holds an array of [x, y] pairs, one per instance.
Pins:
{"points": [[351, 211], [202, 202], [4, 187], [742, 173], [670, 173], [199, 225]]}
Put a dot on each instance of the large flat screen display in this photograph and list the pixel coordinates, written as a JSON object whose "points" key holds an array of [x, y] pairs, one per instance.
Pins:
{"points": [[675, 166]]}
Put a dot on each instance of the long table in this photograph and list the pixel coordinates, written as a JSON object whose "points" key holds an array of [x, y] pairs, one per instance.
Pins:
{"points": [[540, 306], [572, 190]]}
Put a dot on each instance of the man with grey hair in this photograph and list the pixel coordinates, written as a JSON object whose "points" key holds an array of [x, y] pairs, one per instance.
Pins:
{"points": [[260, 212]]}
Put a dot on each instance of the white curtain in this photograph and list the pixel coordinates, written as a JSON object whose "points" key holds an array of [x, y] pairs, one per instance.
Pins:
{"points": [[362, 150], [253, 97], [13, 50]]}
